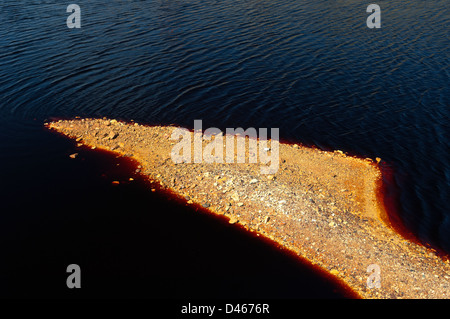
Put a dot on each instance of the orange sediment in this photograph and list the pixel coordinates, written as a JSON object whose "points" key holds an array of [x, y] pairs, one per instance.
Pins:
{"points": [[323, 206]]}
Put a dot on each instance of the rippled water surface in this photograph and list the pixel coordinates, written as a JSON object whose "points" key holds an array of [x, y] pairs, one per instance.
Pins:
{"points": [[311, 68]]}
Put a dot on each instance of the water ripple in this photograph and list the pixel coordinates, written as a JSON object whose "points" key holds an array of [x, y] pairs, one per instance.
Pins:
{"points": [[311, 68]]}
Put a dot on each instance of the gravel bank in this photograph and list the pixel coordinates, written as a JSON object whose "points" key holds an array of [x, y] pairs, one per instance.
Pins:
{"points": [[321, 205]]}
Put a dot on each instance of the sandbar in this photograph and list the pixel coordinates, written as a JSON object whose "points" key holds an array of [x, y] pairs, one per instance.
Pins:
{"points": [[321, 205]]}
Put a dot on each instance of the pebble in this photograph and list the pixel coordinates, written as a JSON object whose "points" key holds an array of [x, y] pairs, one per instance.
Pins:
{"points": [[74, 155], [206, 205], [112, 135], [254, 181]]}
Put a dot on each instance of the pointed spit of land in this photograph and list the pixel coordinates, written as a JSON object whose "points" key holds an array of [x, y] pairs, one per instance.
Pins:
{"points": [[321, 205]]}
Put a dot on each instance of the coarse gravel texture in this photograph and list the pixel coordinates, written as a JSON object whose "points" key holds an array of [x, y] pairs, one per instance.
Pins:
{"points": [[321, 205]]}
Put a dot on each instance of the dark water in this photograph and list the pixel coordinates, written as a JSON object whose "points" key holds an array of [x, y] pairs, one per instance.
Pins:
{"points": [[311, 68], [130, 242]]}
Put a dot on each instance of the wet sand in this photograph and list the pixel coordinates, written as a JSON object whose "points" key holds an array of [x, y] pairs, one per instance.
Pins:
{"points": [[321, 205]]}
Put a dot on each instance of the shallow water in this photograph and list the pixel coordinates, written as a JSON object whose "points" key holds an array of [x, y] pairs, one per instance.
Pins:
{"points": [[311, 68]]}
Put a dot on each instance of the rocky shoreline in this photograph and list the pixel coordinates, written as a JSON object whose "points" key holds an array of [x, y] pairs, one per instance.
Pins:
{"points": [[321, 205]]}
